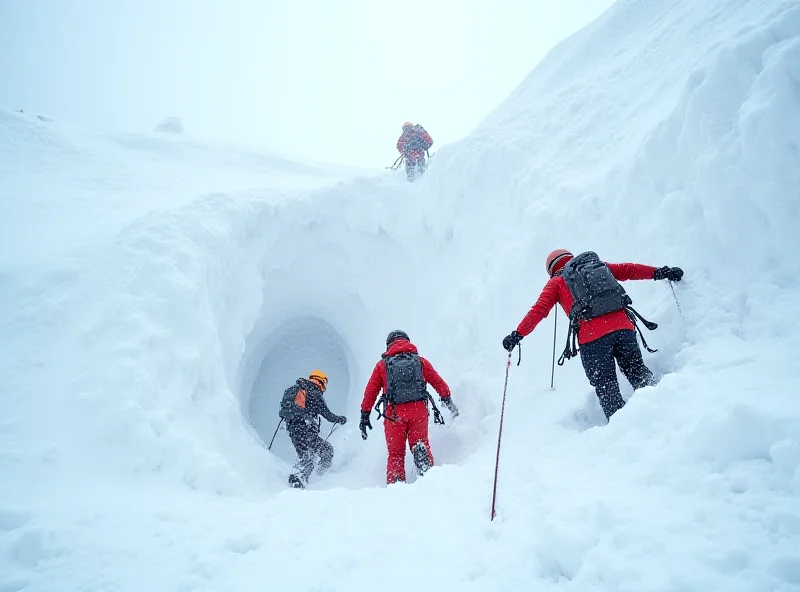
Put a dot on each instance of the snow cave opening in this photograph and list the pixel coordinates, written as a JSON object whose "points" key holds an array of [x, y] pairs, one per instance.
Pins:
{"points": [[292, 350]]}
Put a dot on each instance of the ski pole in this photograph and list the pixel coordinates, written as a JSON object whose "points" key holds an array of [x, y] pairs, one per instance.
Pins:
{"points": [[275, 434], [499, 436], [553, 369], [675, 295]]}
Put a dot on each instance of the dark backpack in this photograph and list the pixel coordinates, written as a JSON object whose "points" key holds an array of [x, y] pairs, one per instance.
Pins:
{"points": [[404, 380], [293, 404], [595, 292], [416, 141], [594, 288], [405, 383]]}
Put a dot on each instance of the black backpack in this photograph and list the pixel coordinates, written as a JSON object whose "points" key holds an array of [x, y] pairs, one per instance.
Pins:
{"points": [[404, 380], [595, 292], [293, 404], [594, 288], [416, 141], [405, 383]]}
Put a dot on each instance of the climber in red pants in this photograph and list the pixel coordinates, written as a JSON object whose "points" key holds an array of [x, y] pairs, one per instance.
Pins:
{"points": [[403, 375]]}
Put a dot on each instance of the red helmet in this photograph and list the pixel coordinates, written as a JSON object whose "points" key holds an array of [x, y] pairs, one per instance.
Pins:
{"points": [[556, 260]]}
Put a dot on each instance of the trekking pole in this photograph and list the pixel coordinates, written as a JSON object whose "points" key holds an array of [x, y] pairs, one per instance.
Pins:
{"points": [[396, 164], [499, 436], [275, 434], [553, 369], [675, 295], [331, 432]]}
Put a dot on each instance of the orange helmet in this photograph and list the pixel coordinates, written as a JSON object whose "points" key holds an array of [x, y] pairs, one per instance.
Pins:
{"points": [[556, 260], [407, 125], [319, 378]]}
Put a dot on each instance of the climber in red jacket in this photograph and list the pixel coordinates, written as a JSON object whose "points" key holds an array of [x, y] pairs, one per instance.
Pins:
{"points": [[413, 144], [605, 330], [403, 376]]}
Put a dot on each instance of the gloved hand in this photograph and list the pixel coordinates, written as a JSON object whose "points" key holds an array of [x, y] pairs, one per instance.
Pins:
{"points": [[673, 274], [511, 341], [451, 407], [341, 420], [364, 424]]}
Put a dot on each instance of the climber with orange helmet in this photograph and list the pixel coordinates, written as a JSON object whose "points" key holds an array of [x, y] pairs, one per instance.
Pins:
{"points": [[601, 319], [301, 406], [413, 145]]}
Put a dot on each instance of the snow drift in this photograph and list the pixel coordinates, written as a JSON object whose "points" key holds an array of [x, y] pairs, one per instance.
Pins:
{"points": [[142, 365]]}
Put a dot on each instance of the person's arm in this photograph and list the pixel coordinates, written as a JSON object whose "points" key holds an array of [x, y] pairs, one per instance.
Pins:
{"points": [[319, 406], [631, 271], [544, 304], [431, 376], [427, 139], [372, 389]]}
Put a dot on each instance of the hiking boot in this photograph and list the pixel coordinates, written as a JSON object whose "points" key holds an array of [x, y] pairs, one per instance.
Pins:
{"points": [[296, 482], [421, 458]]}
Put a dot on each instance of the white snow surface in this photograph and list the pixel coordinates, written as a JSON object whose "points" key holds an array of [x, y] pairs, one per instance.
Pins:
{"points": [[160, 293]]}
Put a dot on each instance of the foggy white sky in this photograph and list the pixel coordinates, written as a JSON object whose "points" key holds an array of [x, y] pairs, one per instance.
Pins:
{"points": [[322, 79]]}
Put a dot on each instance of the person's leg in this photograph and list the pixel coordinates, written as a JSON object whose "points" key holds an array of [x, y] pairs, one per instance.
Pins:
{"points": [[395, 432], [597, 358], [302, 439], [325, 451], [629, 358], [410, 169], [416, 414]]}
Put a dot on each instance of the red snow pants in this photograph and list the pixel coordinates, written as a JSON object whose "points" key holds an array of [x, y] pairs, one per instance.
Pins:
{"points": [[410, 425]]}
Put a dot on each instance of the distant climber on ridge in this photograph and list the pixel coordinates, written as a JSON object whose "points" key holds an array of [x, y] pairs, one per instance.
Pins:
{"points": [[600, 317], [413, 144], [301, 405], [403, 375]]}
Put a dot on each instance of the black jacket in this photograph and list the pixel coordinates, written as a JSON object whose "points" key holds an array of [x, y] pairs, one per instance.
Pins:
{"points": [[296, 409]]}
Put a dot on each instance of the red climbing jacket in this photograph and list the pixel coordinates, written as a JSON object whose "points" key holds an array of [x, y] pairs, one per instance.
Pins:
{"points": [[406, 424], [557, 292], [377, 381]]}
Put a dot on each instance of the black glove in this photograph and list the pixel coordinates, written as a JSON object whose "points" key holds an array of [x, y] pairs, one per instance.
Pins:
{"points": [[673, 274], [364, 424], [341, 420], [511, 341], [451, 407]]}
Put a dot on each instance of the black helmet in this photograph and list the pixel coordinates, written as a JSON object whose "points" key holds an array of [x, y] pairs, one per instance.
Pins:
{"points": [[395, 335]]}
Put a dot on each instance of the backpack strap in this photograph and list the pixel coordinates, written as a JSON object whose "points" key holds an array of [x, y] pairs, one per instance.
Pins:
{"points": [[651, 326], [571, 349], [381, 406], [633, 315], [437, 415]]}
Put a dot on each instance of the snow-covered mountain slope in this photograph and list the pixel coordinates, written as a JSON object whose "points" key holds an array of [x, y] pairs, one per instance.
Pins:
{"points": [[81, 186], [142, 367]]}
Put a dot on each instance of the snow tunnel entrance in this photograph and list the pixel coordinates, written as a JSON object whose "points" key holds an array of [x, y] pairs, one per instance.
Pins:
{"points": [[291, 351]]}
